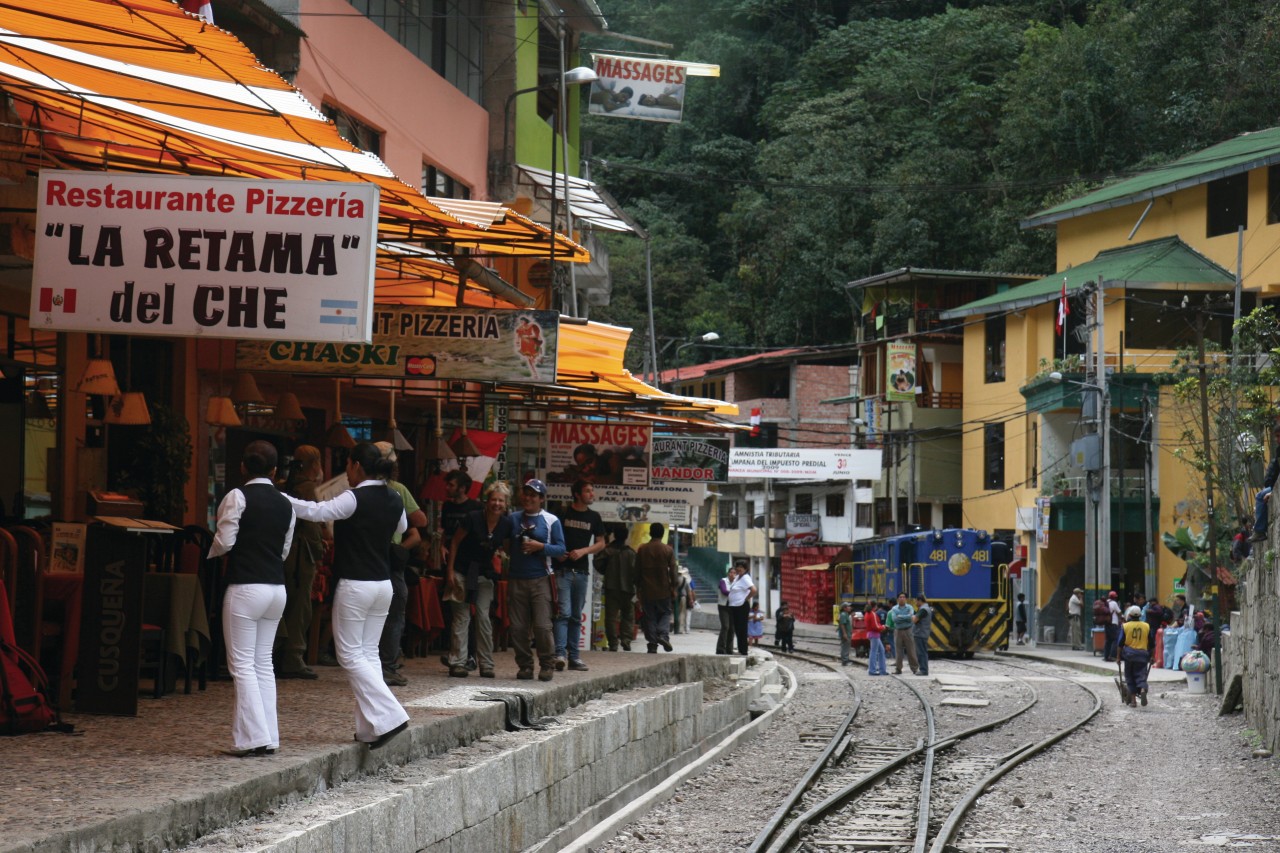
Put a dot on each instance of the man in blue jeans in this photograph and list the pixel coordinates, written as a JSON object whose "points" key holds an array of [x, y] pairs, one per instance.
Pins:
{"points": [[583, 536], [921, 625]]}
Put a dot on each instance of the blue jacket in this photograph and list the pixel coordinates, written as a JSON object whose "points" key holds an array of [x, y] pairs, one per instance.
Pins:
{"points": [[545, 528]]}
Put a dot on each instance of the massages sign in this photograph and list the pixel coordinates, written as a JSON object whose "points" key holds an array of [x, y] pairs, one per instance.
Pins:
{"points": [[209, 257], [645, 89]]}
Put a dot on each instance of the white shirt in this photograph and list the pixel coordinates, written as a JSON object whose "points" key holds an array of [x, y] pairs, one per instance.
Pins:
{"points": [[343, 506], [1115, 611], [740, 590], [229, 512], [1074, 605]]}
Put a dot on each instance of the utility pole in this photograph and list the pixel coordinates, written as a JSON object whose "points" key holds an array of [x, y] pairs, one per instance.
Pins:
{"points": [[1193, 583], [1104, 426], [1149, 555], [911, 473], [1092, 590]]}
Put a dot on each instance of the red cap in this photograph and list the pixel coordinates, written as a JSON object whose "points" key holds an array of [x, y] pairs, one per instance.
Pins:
{"points": [[1112, 594]]}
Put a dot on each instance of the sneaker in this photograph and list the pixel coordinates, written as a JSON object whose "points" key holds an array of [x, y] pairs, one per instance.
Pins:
{"points": [[666, 645], [394, 679], [486, 673], [578, 666], [1142, 697], [626, 647], [525, 675], [612, 648], [561, 663], [653, 650], [457, 672], [546, 674]]}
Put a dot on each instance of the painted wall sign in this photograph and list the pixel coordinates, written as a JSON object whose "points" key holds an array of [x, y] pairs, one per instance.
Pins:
{"points": [[208, 257], [427, 343], [803, 463]]}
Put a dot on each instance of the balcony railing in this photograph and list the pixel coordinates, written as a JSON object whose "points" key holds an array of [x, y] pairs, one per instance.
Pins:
{"points": [[1127, 486], [940, 400]]}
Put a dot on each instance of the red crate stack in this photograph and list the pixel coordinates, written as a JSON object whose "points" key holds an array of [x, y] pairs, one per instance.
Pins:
{"points": [[808, 584]]}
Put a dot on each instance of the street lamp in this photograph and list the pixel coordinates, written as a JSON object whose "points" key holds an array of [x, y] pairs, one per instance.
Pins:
{"points": [[705, 338], [573, 77]]}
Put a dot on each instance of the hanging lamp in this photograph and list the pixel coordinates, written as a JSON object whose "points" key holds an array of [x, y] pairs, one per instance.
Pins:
{"points": [[438, 449], [246, 389], [221, 410], [288, 408], [397, 439], [463, 446], [129, 408], [338, 435], [99, 376]]}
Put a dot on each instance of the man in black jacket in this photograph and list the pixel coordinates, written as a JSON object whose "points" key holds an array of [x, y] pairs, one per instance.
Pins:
{"points": [[1260, 502]]}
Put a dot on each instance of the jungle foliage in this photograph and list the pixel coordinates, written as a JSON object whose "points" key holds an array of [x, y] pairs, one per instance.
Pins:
{"points": [[848, 138]]}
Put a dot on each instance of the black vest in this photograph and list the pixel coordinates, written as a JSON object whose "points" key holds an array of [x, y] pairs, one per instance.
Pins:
{"points": [[258, 555], [362, 543]]}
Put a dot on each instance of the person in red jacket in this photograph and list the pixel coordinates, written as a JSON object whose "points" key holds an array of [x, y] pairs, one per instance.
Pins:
{"points": [[876, 662]]}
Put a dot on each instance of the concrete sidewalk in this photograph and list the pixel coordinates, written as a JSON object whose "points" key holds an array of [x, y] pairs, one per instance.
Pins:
{"points": [[158, 780], [1086, 662]]}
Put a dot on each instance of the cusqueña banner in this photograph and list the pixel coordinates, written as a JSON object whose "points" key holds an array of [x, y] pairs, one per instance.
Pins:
{"points": [[210, 257]]}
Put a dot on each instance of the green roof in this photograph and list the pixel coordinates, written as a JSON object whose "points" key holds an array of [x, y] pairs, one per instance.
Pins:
{"points": [[1242, 154], [1167, 263]]}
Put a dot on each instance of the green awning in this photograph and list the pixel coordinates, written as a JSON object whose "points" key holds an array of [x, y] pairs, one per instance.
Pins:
{"points": [[1164, 264], [1244, 153]]}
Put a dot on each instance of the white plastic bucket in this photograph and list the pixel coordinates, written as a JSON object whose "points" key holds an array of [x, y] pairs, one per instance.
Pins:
{"points": [[1196, 682]]}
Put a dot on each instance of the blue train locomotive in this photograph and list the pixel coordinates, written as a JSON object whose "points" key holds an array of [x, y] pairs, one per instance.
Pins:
{"points": [[962, 572]]}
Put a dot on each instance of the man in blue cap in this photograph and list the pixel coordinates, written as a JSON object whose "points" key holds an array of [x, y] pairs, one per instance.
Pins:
{"points": [[537, 539]]}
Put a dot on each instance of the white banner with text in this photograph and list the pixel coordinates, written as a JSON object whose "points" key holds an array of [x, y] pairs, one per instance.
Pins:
{"points": [[803, 463]]}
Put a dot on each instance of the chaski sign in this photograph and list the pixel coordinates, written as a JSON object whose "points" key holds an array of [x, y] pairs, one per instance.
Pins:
{"points": [[208, 257]]}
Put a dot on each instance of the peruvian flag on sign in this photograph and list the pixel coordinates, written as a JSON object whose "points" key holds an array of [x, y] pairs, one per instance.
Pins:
{"points": [[53, 299]]}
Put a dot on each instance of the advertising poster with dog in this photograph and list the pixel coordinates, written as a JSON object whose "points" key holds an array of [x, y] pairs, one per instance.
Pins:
{"points": [[604, 454], [633, 87], [900, 360]]}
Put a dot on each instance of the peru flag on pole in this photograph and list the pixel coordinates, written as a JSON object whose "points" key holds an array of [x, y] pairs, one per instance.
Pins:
{"points": [[1063, 308], [203, 8], [54, 299], [755, 422]]}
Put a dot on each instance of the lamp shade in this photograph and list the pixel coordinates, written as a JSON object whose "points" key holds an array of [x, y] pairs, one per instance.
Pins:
{"points": [[338, 436], [221, 412], [128, 409], [287, 408], [398, 441], [438, 449], [464, 446], [246, 389], [99, 377]]}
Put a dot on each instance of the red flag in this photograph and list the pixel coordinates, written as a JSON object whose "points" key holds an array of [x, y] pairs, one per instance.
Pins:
{"points": [[755, 422], [1063, 308], [200, 8], [62, 300]]}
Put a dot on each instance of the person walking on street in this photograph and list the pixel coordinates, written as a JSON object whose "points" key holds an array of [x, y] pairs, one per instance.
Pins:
{"points": [[402, 546], [784, 629], [876, 663], [1135, 654], [1075, 619], [300, 567], [921, 625], [583, 536], [255, 530], [724, 642], [1020, 618], [475, 544], [618, 565], [536, 539], [656, 580], [741, 592], [365, 518], [901, 614], [844, 627], [1113, 628]]}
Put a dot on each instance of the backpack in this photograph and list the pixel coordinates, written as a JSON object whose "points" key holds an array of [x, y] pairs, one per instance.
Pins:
{"points": [[1101, 612], [24, 688]]}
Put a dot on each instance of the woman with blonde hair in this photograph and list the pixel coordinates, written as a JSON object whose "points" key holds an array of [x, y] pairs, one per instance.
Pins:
{"points": [[474, 551]]}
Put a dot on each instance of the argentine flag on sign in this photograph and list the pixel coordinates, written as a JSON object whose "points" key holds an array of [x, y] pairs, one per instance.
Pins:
{"points": [[339, 312]]}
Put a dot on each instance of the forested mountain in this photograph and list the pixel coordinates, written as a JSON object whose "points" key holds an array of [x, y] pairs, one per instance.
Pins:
{"points": [[848, 138]]}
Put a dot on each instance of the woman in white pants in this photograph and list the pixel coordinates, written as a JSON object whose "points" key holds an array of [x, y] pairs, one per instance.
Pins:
{"points": [[365, 518], [255, 529]]}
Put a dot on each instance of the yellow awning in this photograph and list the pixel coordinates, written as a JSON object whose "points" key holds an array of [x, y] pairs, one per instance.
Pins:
{"points": [[142, 86]]}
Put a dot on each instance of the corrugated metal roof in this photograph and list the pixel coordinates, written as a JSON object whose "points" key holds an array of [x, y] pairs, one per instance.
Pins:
{"points": [[1244, 153], [1164, 263], [588, 203], [921, 273]]}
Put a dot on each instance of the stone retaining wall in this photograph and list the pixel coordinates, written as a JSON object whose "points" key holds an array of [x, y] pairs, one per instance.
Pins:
{"points": [[1250, 648]]}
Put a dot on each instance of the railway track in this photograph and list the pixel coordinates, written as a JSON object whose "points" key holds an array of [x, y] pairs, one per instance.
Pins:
{"points": [[890, 794]]}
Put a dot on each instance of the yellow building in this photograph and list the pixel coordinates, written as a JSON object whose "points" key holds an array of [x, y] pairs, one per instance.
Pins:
{"points": [[1159, 245]]}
